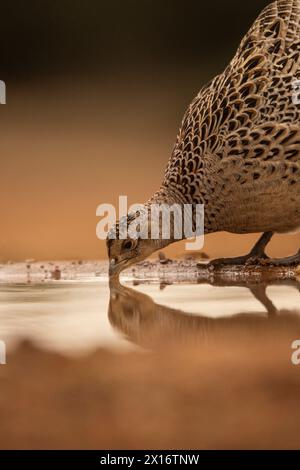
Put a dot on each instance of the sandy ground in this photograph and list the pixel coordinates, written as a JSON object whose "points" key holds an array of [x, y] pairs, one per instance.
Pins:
{"points": [[232, 390], [188, 268]]}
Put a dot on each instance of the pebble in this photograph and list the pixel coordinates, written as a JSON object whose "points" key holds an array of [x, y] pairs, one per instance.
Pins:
{"points": [[56, 274], [163, 259]]}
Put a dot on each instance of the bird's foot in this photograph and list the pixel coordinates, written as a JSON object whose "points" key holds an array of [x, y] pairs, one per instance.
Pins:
{"points": [[248, 260], [290, 261], [257, 255]]}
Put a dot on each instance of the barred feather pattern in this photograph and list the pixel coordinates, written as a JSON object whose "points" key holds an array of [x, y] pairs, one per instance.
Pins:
{"points": [[238, 149]]}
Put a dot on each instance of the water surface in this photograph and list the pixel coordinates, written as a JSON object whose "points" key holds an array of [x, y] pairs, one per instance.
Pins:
{"points": [[79, 317]]}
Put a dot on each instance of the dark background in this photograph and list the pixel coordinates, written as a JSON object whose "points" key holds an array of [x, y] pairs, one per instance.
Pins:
{"points": [[54, 37]]}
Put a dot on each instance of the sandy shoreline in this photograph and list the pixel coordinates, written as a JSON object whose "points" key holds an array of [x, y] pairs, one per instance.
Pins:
{"points": [[173, 271]]}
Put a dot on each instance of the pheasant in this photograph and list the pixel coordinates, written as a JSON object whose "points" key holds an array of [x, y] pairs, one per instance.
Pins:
{"points": [[238, 149]]}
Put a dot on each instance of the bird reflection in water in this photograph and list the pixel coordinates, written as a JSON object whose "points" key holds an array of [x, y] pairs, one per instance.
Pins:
{"points": [[148, 324]]}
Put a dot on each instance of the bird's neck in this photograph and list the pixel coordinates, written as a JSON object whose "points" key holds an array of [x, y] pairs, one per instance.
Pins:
{"points": [[175, 200], [167, 196]]}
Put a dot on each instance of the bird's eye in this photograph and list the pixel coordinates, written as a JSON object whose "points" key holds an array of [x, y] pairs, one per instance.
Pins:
{"points": [[127, 245]]}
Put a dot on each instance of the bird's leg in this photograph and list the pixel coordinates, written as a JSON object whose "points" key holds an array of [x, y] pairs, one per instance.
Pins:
{"points": [[259, 292], [255, 256], [289, 261]]}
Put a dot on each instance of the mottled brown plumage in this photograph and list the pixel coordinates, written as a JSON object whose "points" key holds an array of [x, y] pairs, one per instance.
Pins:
{"points": [[238, 150]]}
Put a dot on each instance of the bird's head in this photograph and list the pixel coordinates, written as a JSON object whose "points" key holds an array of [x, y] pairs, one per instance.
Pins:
{"points": [[124, 253], [135, 247]]}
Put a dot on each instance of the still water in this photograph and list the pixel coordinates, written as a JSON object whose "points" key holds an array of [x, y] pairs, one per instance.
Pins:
{"points": [[76, 318]]}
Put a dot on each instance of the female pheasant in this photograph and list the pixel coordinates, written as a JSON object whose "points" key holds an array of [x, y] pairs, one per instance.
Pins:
{"points": [[238, 150]]}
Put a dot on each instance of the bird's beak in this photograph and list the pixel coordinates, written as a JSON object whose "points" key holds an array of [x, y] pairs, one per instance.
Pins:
{"points": [[115, 267], [112, 267]]}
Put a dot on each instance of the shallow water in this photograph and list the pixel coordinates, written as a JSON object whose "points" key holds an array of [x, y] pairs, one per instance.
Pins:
{"points": [[79, 317]]}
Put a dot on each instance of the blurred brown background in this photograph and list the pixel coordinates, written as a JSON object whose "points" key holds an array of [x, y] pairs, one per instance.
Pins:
{"points": [[95, 95]]}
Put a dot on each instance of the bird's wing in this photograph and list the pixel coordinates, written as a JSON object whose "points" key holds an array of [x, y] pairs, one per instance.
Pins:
{"points": [[257, 89], [267, 154], [283, 12]]}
